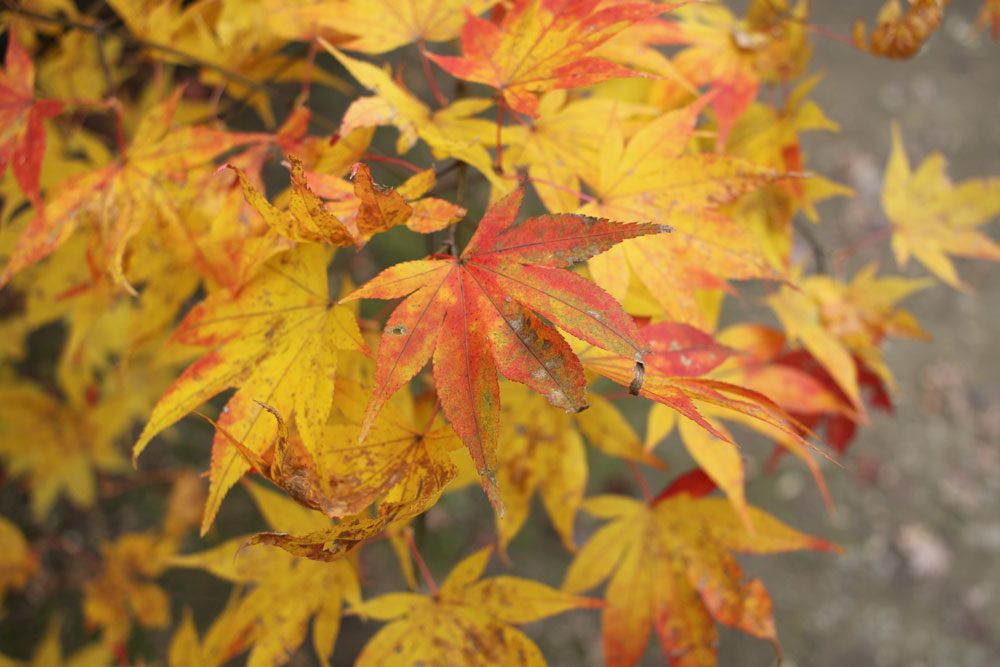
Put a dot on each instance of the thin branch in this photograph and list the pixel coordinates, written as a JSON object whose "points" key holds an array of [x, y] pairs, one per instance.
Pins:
{"points": [[815, 245]]}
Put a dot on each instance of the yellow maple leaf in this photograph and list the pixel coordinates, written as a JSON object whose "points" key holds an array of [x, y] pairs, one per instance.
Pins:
{"points": [[468, 619], [932, 218], [17, 563], [277, 339], [450, 132], [383, 25], [835, 320], [651, 178], [69, 444], [319, 589]]}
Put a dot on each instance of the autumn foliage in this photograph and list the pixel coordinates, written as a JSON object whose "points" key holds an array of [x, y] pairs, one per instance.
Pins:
{"points": [[355, 257]]}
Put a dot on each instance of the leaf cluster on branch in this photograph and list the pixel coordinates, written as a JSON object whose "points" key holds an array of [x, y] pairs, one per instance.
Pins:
{"points": [[203, 204]]}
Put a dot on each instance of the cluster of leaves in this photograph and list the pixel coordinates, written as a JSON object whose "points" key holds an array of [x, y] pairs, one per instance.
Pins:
{"points": [[136, 216]]}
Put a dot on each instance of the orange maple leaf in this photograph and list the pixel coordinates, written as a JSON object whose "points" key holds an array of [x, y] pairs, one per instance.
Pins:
{"points": [[899, 33], [542, 44], [670, 373], [671, 570], [308, 219], [22, 135], [652, 177], [474, 314]]}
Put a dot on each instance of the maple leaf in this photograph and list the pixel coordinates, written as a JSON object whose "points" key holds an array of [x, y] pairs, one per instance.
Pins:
{"points": [[124, 589], [541, 450], [17, 562], [649, 178], [670, 570], [834, 320], [341, 478], [277, 340], [932, 218], [989, 15], [307, 219], [69, 444], [450, 132], [116, 200], [22, 137], [474, 314], [383, 206], [542, 44], [770, 137], [225, 639], [733, 56], [898, 33], [384, 25], [562, 141], [319, 589], [468, 618], [49, 653], [669, 379]]}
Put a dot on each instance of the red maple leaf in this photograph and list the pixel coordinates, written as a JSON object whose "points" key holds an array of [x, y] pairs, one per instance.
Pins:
{"points": [[476, 314], [542, 44], [22, 135]]}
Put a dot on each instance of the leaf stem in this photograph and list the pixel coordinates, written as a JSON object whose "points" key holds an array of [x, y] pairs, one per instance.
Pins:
{"points": [[418, 559], [392, 160], [425, 62], [552, 184], [644, 489], [430, 422], [307, 76], [498, 165], [841, 255]]}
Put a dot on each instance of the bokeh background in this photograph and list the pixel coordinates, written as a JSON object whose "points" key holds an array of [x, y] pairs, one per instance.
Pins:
{"points": [[918, 496]]}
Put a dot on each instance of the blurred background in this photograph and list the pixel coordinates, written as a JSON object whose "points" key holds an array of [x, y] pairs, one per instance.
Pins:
{"points": [[917, 499]]}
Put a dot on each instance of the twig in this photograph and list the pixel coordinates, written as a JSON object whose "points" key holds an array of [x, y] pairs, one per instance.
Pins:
{"points": [[815, 245]]}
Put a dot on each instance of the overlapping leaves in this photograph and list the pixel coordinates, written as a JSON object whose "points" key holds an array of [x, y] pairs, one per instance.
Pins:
{"points": [[476, 315]]}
